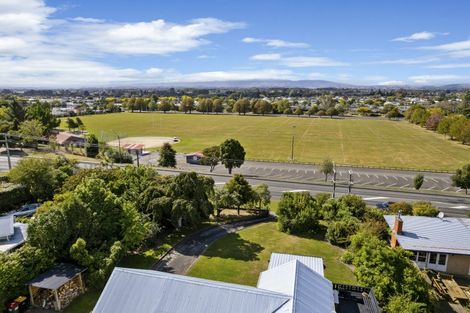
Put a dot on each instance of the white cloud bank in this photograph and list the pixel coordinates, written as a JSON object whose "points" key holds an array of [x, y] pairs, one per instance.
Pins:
{"points": [[298, 61], [418, 36], [276, 43]]}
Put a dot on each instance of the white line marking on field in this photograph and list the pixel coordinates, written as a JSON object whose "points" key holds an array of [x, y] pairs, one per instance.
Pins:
{"points": [[445, 189], [396, 178], [375, 198], [392, 185], [459, 207], [459, 190], [386, 177], [434, 180], [376, 176]]}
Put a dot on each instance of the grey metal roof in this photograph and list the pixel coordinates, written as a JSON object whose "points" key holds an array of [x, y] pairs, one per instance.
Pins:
{"points": [[310, 291], [142, 291], [314, 263], [56, 276], [446, 235], [19, 237]]}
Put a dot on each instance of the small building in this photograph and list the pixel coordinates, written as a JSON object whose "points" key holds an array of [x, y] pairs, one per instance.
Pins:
{"points": [[67, 139], [291, 284], [12, 235], [134, 148], [57, 287], [194, 158], [440, 244]]}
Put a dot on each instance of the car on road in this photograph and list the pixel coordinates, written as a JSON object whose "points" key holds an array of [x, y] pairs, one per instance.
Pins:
{"points": [[384, 205], [27, 209]]}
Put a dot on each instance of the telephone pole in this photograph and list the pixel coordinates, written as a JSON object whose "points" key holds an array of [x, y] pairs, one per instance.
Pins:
{"points": [[8, 150], [292, 144]]}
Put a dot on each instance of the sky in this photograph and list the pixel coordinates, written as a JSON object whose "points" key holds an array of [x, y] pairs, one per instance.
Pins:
{"points": [[90, 43]]}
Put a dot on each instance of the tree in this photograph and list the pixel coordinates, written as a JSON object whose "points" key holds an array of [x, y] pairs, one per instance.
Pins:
{"points": [[457, 126], [298, 213], [433, 121], [80, 124], [30, 132], [327, 167], [187, 104], [211, 157], [218, 106], [42, 177], [224, 199], [444, 124], [16, 114], [418, 181], [424, 208], [232, 154], [71, 124], [92, 148], [262, 107], [298, 112], [404, 304], [239, 185], [164, 105], [167, 156], [43, 113], [461, 178], [261, 196], [313, 110], [242, 106], [403, 207], [393, 113]]}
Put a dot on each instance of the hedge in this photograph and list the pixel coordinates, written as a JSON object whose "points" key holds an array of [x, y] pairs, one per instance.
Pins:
{"points": [[12, 196]]}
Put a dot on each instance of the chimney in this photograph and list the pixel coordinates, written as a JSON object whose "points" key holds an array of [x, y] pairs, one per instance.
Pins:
{"points": [[398, 227], [397, 230]]}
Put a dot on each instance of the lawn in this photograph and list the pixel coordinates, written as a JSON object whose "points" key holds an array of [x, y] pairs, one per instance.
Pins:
{"points": [[371, 142], [240, 257]]}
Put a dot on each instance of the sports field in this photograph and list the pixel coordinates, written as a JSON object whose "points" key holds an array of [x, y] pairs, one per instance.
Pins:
{"points": [[347, 141]]}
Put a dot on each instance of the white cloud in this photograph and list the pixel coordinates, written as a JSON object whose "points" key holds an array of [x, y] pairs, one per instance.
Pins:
{"points": [[425, 79], [276, 43], [235, 75], [458, 49], [391, 83], [87, 20], [451, 65], [416, 36], [266, 57], [409, 61], [23, 16]]}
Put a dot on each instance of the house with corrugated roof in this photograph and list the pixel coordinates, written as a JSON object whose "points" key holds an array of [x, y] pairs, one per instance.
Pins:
{"points": [[291, 284], [438, 243]]}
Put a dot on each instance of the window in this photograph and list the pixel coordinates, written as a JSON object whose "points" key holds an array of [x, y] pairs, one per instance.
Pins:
{"points": [[422, 256], [415, 255], [442, 259], [433, 258]]}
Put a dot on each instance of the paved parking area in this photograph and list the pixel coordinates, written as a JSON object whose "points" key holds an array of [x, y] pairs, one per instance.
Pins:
{"points": [[312, 174]]}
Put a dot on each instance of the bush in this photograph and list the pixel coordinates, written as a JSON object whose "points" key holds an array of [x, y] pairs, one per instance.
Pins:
{"points": [[114, 156], [12, 196], [404, 207], [339, 232], [298, 213], [352, 205], [423, 208]]}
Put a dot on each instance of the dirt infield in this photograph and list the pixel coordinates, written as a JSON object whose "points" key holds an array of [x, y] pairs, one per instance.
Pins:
{"points": [[148, 142]]}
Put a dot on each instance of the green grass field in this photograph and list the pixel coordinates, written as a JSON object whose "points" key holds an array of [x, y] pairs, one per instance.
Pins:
{"points": [[240, 257], [347, 141]]}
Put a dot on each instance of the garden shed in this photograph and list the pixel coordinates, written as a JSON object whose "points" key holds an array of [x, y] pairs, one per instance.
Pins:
{"points": [[57, 287]]}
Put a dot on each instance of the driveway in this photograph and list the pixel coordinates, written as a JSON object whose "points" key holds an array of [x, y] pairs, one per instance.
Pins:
{"points": [[184, 254]]}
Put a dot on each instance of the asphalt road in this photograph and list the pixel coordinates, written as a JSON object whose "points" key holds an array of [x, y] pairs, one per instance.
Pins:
{"points": [[457, 205]]}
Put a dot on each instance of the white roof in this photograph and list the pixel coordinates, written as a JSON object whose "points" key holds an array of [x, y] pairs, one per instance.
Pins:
{"points": [[432, 234], [291, 287], [6, 226], [314, 263], [310, 291], [132, 290], [19, 237]]}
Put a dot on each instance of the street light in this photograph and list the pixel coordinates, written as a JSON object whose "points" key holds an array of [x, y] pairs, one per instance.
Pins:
{"points": [[292, 144]]}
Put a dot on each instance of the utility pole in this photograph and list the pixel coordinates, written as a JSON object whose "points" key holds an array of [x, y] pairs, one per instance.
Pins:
{"points": [[334, 183], [8, 150], [350, 182], [137, 155]]}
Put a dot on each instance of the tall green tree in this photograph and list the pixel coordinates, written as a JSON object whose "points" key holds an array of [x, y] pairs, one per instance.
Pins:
{"points": [[167, 156], [298, 213], [187, 104], [418, 181], [211, 157], [327, 168], [461, 178], [232, 154], [240, 186], [31, 131], [242, 106], [92, 148], [43, 113]]}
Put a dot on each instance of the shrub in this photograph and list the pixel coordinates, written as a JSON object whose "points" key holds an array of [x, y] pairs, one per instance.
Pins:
{"points": [[12, 196], [339, 232], [352, 205], [404, 207], [423, 208], [298, 213]]}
